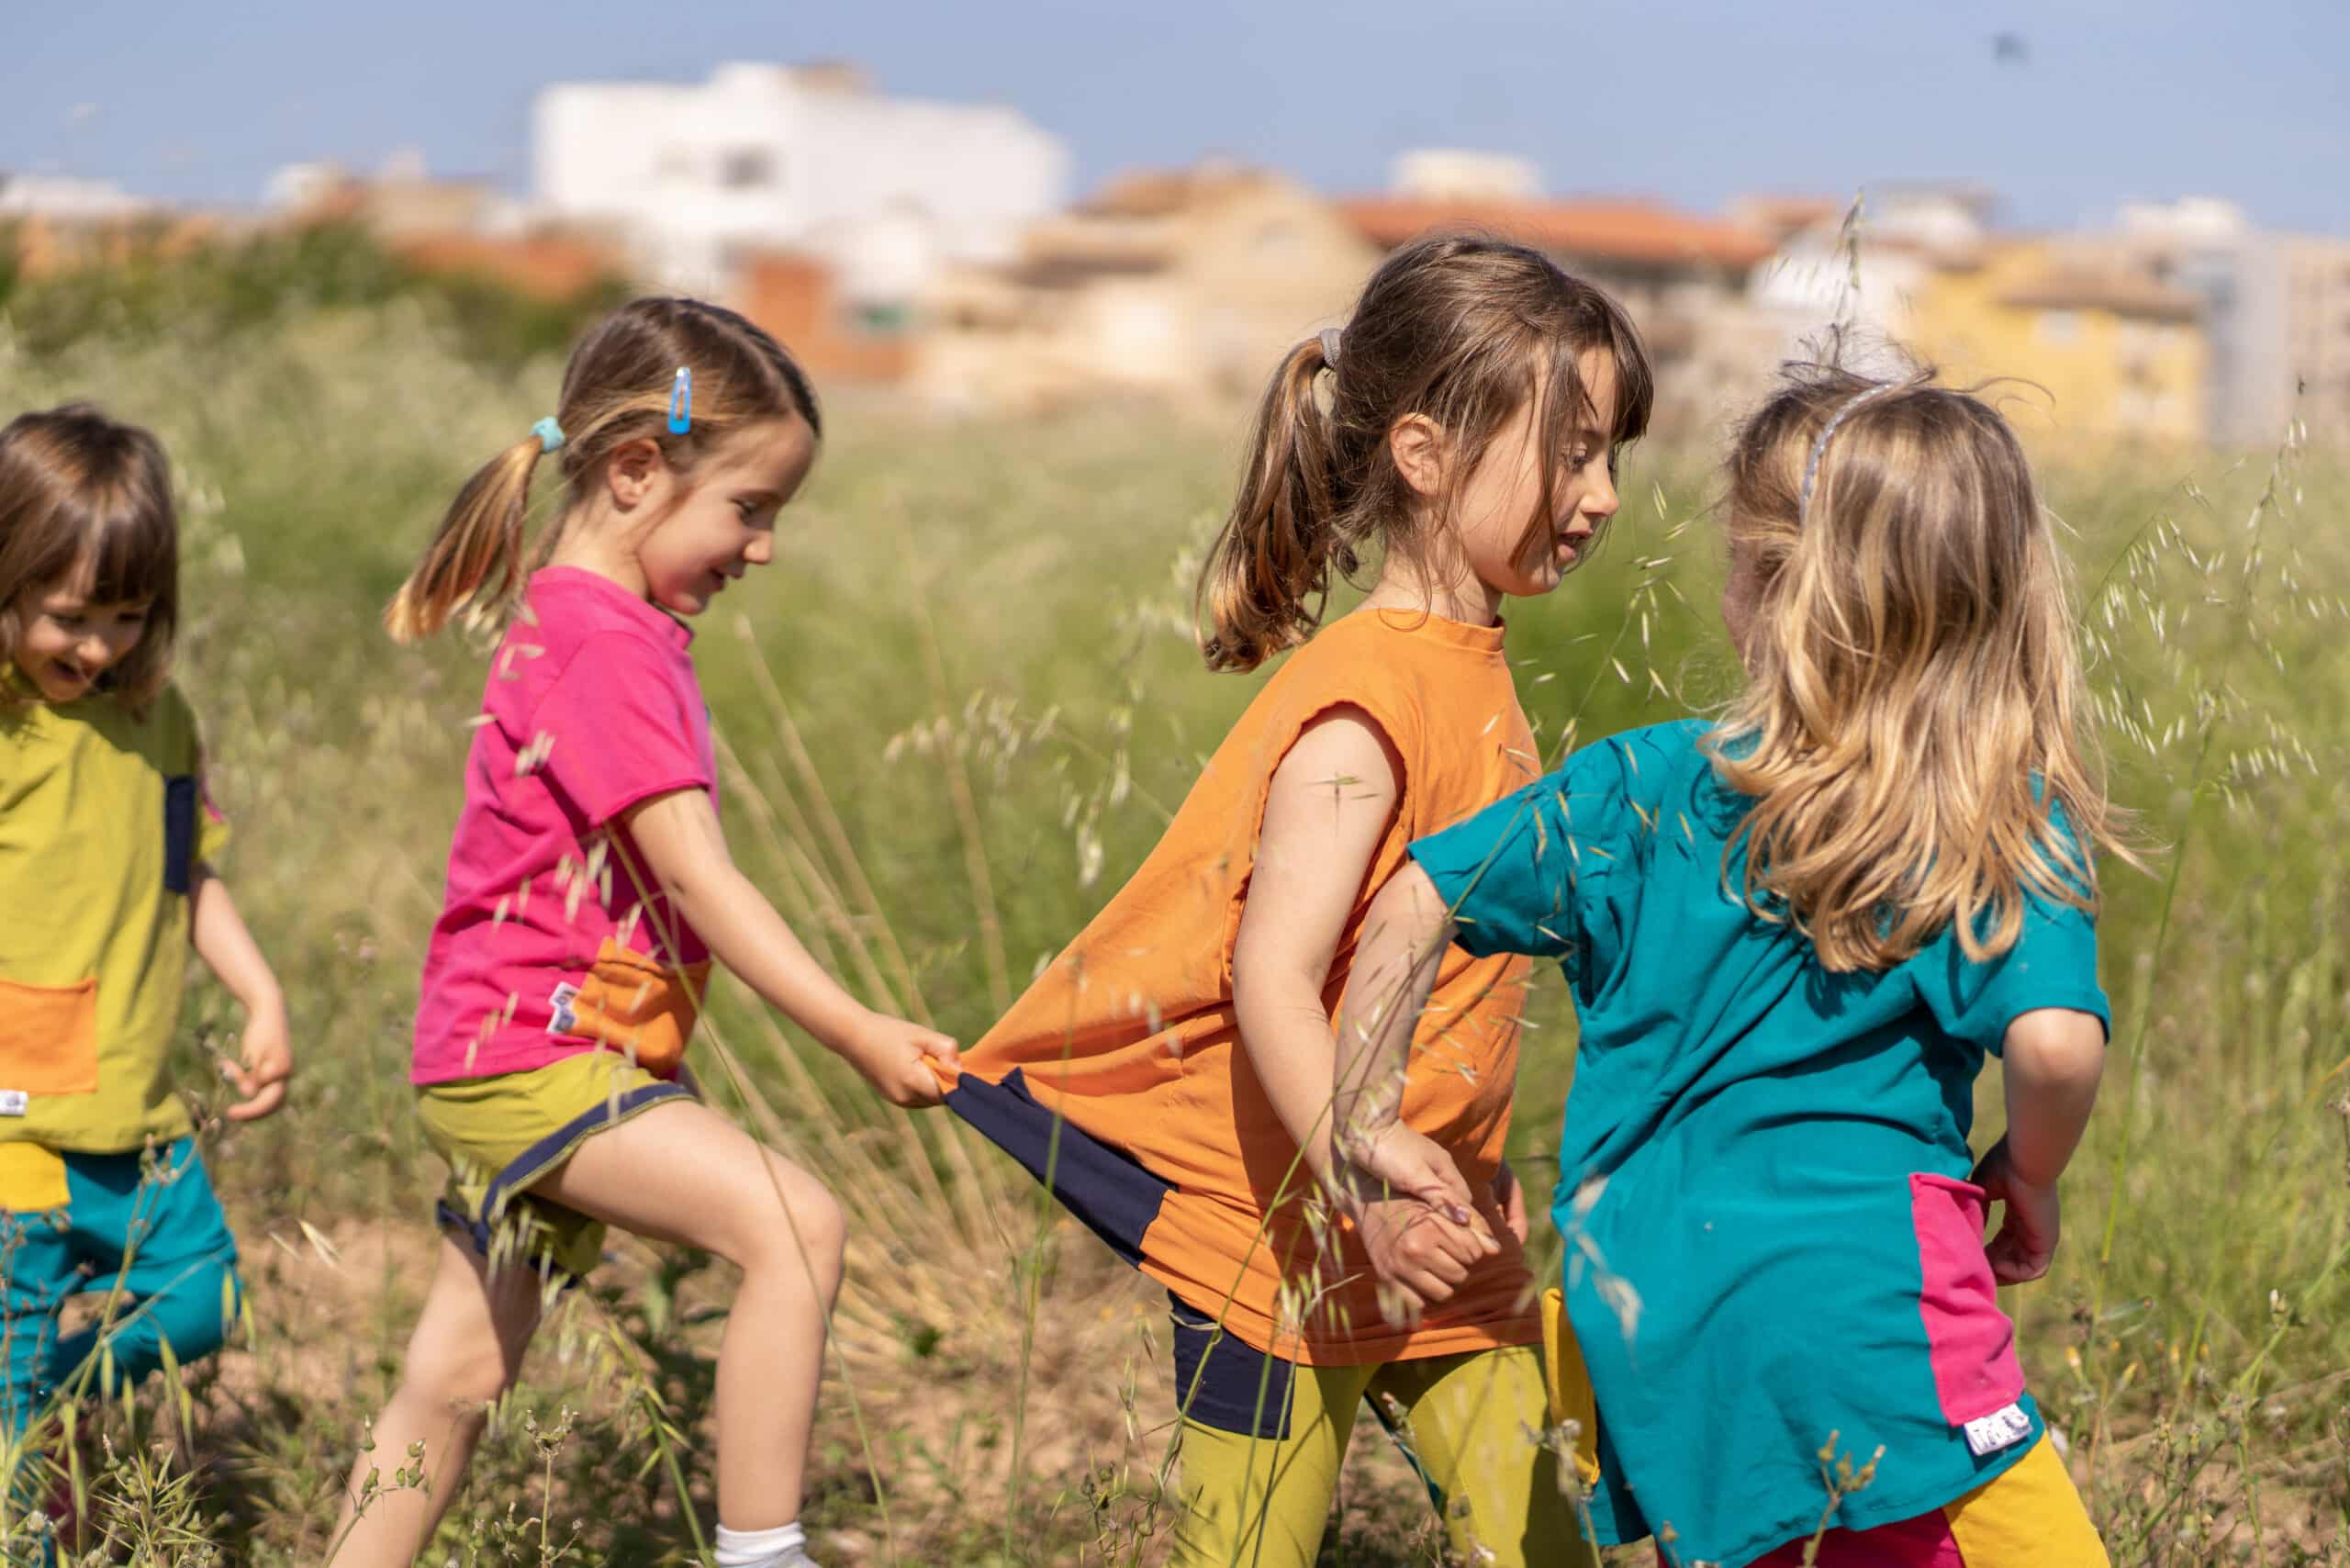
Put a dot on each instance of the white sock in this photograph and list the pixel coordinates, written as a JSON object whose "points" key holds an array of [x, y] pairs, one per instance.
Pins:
{"points": [[782, 1547]]}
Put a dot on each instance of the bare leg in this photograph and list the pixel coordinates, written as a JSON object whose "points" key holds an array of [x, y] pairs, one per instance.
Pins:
{"points": [[467, 1351], [682, 1172]]}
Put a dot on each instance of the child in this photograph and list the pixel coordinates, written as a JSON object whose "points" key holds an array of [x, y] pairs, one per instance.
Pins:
{"points": [[589, 886], [106, 844], [1169, 1074], [1792, 936]]}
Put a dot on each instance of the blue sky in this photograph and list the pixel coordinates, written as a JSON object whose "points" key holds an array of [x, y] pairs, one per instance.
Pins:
{"points": [[2116, 99]]}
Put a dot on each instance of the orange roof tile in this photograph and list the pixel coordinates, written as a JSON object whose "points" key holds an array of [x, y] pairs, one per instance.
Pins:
{"points": [[1628, 230]]}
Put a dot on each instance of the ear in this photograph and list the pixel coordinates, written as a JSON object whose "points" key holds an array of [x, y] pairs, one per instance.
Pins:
{"points": [[1416, 443], [635, 473]]}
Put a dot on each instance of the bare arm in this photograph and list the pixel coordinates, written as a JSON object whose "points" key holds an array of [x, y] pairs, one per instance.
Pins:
{"points": [[265, 1053], [1395, 963], [2053, 1057], [685, 848], [1331, 801]]}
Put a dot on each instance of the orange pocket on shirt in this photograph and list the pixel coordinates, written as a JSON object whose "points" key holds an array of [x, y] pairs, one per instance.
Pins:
{"points": [[49, 1038], [634, 1003]]}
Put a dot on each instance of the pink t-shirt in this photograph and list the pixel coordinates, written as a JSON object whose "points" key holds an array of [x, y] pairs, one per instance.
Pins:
{"points": [[545, 946]]}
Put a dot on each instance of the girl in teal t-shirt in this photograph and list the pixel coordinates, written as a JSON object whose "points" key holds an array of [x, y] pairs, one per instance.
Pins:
{"points": [[1792, 936]]}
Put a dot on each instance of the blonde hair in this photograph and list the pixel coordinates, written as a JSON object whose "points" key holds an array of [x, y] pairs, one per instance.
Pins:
{"points": [[616, 388], [1912, 733], [76, 484], [1460, 328]]}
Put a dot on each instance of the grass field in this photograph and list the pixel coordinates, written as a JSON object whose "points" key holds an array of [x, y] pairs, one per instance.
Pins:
{"points": [[955, 714]]}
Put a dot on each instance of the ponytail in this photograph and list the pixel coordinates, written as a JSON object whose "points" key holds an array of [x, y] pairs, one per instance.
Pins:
{"points": [[1280, 542], [475, 562]]}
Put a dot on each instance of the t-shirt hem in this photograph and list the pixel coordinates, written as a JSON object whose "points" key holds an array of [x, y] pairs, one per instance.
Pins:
{"points": [[506, 1061], [118, 1139]]}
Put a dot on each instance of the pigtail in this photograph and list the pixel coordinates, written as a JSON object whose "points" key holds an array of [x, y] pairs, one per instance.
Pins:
{"points": [[1276, 548], [475, 563]]}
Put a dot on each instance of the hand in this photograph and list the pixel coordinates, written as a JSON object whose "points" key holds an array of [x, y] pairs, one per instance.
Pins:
{"points": [[2026, 1244], [265, 1061], [896, 1058], [1510, 1198], [1418, 1254], [1407, 1164]]}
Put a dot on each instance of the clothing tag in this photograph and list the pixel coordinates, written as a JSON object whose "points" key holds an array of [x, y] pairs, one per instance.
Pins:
{"points": [[15, 1102], [2000, 1428], [564, 1021]]}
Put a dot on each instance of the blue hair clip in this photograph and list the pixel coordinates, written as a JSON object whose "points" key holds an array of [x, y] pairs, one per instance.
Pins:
{"points": [[681, 402], [550, 435]]}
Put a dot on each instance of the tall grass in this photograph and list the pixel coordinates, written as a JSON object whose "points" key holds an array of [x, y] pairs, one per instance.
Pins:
{"points": [[955, 713]]}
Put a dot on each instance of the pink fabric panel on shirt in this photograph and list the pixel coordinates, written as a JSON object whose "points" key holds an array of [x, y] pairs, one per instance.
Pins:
{"points": [[1971, 1340]]}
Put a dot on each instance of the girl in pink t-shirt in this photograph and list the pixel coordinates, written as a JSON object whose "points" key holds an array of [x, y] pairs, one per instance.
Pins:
{"points": [[589, 888]]}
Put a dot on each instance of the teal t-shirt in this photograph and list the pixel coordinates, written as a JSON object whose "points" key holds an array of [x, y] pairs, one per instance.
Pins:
{"points": [[1763, 1178]]}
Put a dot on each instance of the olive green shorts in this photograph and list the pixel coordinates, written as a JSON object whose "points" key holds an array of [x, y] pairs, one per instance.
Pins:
{"points": [[502, 1134]]}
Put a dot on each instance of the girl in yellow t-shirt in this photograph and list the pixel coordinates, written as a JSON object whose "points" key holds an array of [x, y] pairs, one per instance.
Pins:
{"points": [[1169, 1075], [107, 840]]}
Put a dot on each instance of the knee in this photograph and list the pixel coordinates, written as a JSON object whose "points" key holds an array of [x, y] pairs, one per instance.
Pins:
{"points": [[197, 1314], [806, 1235], [458, 1382]]}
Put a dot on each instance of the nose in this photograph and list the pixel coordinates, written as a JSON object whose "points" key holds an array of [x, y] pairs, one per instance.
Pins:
{"points": [[1599, 500], [760, 551]]}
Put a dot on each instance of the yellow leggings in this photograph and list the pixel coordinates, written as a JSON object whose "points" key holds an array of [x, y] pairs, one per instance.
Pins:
{"points": [[1473, 1423]]}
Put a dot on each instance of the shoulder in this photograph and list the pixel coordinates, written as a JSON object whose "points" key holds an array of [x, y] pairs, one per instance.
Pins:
{"points": [[1645, 764]]}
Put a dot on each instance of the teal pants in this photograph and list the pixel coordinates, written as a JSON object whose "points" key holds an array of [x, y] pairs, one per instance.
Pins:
{"points": [[158, 1233]]}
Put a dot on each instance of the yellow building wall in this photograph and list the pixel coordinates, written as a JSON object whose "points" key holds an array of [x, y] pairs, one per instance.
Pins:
{"points": [[2100, 376]]}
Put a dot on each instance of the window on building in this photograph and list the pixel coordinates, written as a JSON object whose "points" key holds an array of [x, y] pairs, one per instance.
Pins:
{"points": [[747, 168], [2059, 326], [883, 320]]}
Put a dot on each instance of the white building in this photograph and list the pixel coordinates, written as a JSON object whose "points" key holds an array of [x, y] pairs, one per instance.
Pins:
{"points": [[68, 199], [763, 157]]}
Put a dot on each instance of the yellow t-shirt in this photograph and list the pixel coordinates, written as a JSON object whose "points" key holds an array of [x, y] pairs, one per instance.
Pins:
{"points": [[103, 821]]}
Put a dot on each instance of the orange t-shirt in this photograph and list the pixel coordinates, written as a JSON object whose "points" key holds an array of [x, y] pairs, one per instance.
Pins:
{"points": [[1120, 1071]]}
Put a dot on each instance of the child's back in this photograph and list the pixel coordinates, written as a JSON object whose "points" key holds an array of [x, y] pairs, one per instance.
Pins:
{"points": [[1771, 1158]]}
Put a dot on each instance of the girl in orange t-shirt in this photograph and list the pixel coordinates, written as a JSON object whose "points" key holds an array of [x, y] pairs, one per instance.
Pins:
{"points": [[1169, 1074]]}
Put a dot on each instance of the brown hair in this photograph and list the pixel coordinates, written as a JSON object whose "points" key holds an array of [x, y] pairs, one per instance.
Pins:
{"points": [[1912, 733], [1460, 328], [77, 485], [616, 390]]}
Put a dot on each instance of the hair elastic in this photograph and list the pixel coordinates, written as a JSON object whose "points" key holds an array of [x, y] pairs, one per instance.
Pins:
{"points": [[1819, 447], [681, 402], [550, 435], [1330, 340]]}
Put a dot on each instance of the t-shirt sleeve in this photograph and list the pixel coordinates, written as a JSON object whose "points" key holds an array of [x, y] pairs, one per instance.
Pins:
{"points": [[2053, 964], [211, 825], [617, 727], [1525, 875]]}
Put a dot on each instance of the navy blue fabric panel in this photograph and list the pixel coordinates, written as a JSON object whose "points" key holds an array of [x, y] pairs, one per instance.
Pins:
{"points": [[1223, 1383], [179, 804], [1105, 1186]]}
